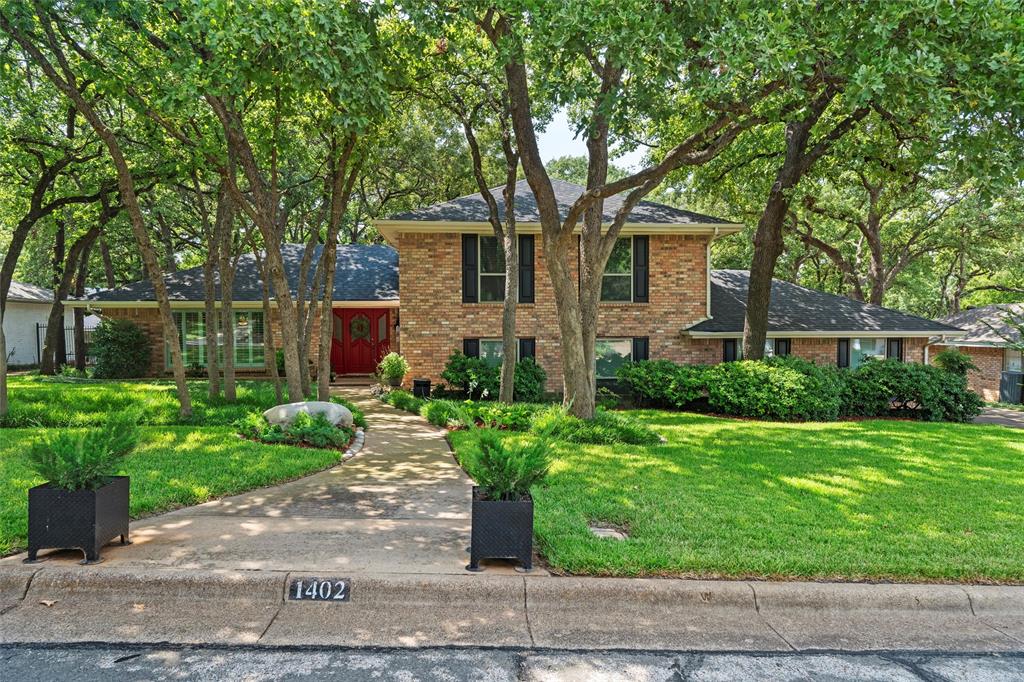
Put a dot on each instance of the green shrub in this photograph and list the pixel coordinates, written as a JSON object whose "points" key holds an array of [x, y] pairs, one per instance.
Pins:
{"points": [[783, 389], [316, 431], [392, 368], [879, 387], [512, 417], [528, 386], [605, 428], [122, 350], [358, 418], [403, 400], [955, 361], [473, 377], [85, 461], [507, 471], [440, 412], [661, 383]]}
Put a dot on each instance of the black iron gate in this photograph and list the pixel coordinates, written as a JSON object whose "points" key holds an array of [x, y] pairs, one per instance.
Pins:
{"points": [[69, 343]]}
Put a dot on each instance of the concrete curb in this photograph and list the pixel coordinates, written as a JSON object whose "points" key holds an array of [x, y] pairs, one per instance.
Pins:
{"points": [[153, 605]]}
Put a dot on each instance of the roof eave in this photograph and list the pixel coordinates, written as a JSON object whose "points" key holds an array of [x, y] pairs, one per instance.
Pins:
{"points": [[803, 334], [390, 229]]}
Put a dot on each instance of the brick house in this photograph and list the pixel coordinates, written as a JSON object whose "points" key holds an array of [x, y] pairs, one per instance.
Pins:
{"points": [[1000, 370], [660, 298]]}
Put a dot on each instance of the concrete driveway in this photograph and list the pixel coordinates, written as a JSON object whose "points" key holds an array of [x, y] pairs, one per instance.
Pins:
{"points": [[1002, 416]]}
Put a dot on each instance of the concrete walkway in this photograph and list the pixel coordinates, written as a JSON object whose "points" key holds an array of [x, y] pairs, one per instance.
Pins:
{"points": [[400, 506], [1002, 416]]}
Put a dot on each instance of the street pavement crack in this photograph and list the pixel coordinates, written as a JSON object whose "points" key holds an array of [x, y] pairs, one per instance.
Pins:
{"points": [[526, 613]]}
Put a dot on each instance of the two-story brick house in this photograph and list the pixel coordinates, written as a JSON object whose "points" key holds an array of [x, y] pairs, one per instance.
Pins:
{"points": [[437, 287]]}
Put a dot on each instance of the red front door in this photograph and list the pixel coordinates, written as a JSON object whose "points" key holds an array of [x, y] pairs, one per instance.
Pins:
{"points": [[361, 338]]}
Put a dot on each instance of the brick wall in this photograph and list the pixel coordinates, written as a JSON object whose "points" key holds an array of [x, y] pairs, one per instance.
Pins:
{"points": [[434, 320], [148, 319], [985, 381]]}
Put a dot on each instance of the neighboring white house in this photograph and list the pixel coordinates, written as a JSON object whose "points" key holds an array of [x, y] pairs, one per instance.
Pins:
{"points": [[28, 306]]}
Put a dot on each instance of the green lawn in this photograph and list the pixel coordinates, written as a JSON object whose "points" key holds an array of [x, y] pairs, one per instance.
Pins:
{"points": [[175, 465], [847, 500], [56, 401]]}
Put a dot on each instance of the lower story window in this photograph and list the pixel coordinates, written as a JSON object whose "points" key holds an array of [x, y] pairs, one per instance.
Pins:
{"points": [[248, 336], [862, 350], [1013, 360], [612, 354], [491, 351]]}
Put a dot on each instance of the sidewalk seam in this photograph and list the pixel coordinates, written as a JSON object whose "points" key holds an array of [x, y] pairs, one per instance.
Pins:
{"points": [[526, 614], [280, 605]]}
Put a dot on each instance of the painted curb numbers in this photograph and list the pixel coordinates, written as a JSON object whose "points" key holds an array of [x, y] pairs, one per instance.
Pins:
{"points": [[320, 589]]}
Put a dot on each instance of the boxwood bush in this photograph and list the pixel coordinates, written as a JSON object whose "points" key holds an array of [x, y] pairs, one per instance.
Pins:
{"points": [[662, 383], [880, 387], [122, 350], [476, 379], [783, 389]]}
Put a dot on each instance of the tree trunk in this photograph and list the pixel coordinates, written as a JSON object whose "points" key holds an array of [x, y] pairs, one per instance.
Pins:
{"points": [[4, 406], [212, 324], [108, 264], [270, 348], [55, 344], [79, 313], [506, 391], [223, 228], [48, 362]]}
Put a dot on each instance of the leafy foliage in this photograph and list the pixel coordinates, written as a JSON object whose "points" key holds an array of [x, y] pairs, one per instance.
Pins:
{"points": [[504, 470], [662, 383], [85, 461], [403, 400], [956, 361], [476, 379], [122, 350], [784, 389], [919, 391], [392, 367], [606, 428], [315, 431], [358, 418]]}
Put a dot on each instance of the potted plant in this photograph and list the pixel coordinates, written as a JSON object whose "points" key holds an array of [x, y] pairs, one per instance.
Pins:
{"points": [[393, 368], [502, 513], [83, 504]]}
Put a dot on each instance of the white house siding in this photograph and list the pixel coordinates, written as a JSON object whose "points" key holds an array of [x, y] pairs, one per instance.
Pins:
{"points": [[20, 321]]}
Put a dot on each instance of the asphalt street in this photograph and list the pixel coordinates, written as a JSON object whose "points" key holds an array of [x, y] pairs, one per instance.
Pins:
{"points": [[31, 663]]}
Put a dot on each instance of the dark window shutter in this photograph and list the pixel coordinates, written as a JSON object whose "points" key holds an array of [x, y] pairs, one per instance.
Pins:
{"points": [[843, 353], [527, 348], [641, 260], [894, 349], [526, 268], [729, 350], [782, 347], [470, 267], [641, 347], [471, 348]]}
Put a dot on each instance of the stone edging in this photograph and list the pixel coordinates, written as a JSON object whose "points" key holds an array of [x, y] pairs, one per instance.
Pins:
{"points": [[355, 446]]}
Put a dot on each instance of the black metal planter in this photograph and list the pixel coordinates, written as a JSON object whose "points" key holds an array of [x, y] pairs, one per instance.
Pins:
{"points": [[501, 530], [78, 519]]}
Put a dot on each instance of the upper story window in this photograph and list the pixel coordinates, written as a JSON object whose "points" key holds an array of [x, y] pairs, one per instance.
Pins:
{"points": [[492, 269], [617, 283]]}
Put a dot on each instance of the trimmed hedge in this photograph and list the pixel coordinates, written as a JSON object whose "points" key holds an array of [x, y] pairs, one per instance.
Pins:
{"points": [[474, 378], [122, 350], [791, 389]]}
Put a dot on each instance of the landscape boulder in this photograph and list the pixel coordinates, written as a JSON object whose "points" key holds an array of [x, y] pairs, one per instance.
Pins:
{"points": [[284, 415]]}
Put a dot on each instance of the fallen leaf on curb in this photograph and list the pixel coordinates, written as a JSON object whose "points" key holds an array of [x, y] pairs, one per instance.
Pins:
{"points": [[48, 602], [138, 607]]}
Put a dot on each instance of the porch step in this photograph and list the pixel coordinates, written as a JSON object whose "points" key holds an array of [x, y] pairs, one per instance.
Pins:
{"points": [[354, 380]]}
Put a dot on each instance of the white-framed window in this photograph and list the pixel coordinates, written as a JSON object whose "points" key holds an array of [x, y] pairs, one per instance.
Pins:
{"points": [[492, 269], [612, 354], [862, 350], [248, 331], [617, 281], [1013, 360]]}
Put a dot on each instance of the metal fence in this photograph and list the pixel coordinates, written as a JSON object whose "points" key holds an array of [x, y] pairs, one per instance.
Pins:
{"points": [[69, 343]]}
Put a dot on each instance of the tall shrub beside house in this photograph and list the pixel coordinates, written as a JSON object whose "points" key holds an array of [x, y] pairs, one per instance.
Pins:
{"points": [[122, 350]]}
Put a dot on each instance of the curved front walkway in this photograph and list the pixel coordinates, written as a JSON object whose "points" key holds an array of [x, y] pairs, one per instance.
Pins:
{"points": [[401, 505]]}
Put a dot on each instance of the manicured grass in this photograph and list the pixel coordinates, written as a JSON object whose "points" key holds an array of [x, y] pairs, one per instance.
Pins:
{"points": [[842, 500], [174, 466], [56, 401]]}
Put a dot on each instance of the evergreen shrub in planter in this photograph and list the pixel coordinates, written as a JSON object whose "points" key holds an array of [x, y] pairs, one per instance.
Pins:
{"points": [[502, 512], [83, 505]]}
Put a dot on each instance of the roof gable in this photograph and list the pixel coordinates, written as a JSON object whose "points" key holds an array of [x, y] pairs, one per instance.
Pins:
{"points": [[473, 209], [797, 309], [979, 323]]}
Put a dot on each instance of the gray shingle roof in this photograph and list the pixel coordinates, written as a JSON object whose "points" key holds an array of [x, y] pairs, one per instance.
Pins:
{"points": [[472, 208], [362, 273], [798, 309], [23, 292], [974, 320]]}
